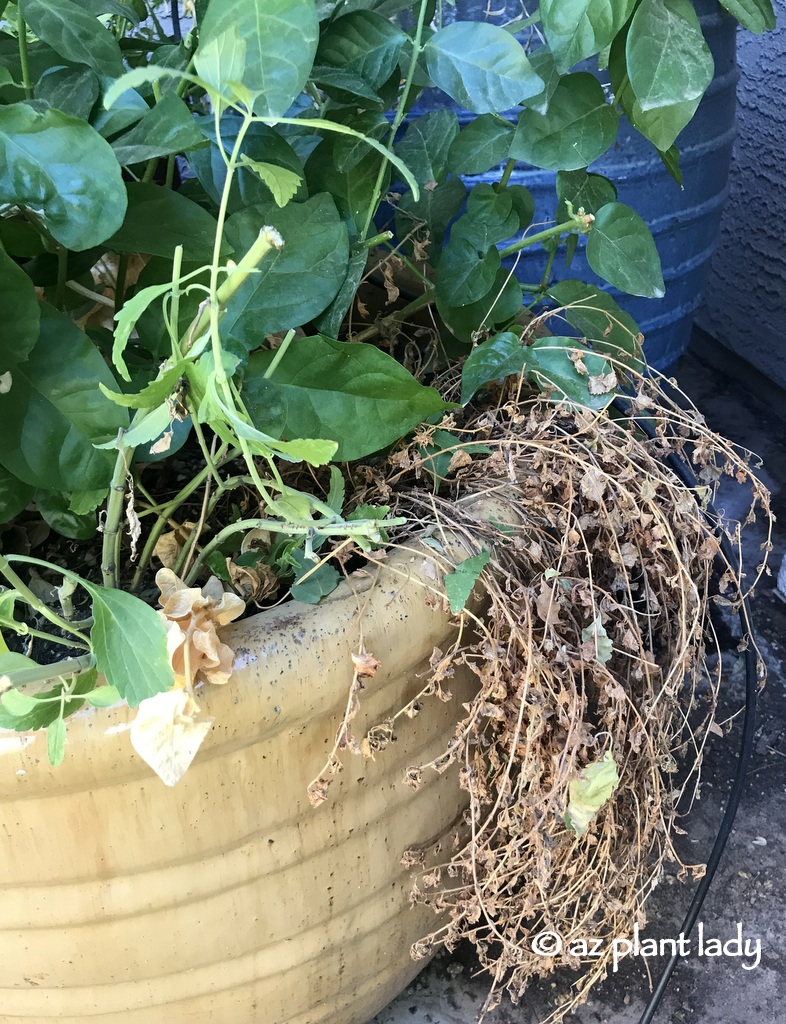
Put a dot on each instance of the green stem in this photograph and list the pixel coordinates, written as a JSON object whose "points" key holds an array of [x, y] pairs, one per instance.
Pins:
{"points": [[30, 598], [150, 169], [398, 118], [170, 171], [29, 631], [507, 173], [21, 31], [576, 224], [361, 527], [120, 285], [43, 673], [544, 281], [380, 239], [280, 352], [114, 513]]}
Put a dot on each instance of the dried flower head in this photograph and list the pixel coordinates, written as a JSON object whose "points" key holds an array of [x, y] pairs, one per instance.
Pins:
{"points": [[191, 616]]}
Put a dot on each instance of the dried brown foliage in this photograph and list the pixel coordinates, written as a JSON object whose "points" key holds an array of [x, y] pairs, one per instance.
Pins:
{"points": [[594, 641]]}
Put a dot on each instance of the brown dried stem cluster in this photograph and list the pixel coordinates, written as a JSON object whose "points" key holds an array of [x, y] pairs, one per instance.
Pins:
{"points": [[594, 641]]}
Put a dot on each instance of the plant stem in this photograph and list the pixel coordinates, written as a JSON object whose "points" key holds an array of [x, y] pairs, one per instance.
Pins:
{"points": [[21, 32], [544, 281], [43, 673], [30, 598], [280, 352], [580, 223], [120, 284], [150, 169], [507, 173], [398, 118], [114, 513], [170, 171], [29, 631]]}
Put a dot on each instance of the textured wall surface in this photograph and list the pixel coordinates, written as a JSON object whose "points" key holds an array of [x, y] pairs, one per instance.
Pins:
{"points": [[745, 298]]}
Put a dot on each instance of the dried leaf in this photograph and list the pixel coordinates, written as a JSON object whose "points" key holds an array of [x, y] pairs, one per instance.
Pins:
{"points": [[169, 545], [167, 735], [366, 664], [589, 792], [603, 383]]}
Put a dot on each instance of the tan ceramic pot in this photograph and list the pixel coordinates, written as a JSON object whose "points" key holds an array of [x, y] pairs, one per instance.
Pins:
{"points": [[228, 898]]}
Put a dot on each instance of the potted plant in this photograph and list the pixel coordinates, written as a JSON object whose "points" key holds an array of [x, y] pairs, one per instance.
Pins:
{"points": [[198, 392]]}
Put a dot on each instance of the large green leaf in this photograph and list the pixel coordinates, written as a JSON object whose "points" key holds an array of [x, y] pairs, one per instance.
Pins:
{"points": [[158, 220], [490, 217], [55, 510], [576, 29], [316, 250], [460, 583], [482, 67], [21, 313], [61, 166], [365, 43], [621, 250], [424, 147], [501, 303], [353, 190], [129, 642], [74, 34], [354, 394], [578, 127], [54, 411], [14, 495], [550, 365], [755, 15], [499, 357], [667, 57], [329, 322], [168, 128], [586, 191], [261, 143], [463, 274], [600, 320], [72, 90], [266, 45], [480, 145], [426, 219]]}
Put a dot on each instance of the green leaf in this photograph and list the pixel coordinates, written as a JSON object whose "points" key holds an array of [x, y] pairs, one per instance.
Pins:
{"points": [[589, 792], [159, 219], [621, 250], [365, 43], [590, 191], [283, 184], [426, 220], [260, 143], [82, 502], [54, 412], [499, 357], [596, 637], [21, 314], [316, 249], [342, 85], [578, 127], [438, 454], [463, 274], [576, 29], [126, 320], [127, 109], [607, 328], [326, 389], [74, 34], [55, 741], [321, 581], [755, 15], [337, 490], [129, 643], [17, 703], [103, 697], [349, 151], [329, 322], [132, 80], [353, 191], [424, 147], [267, 45], [490, 217], [56, 512], [156, 392], [502, 302], [14, 495], [667, 57], [482, 67], [47, 707], [671, 161], [480, 145], [544, 64], [168, 128], [459, 583], [72, 90], [52, 162], [550, 365]]}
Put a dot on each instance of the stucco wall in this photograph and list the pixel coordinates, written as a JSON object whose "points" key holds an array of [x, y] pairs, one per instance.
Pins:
{"points": [[745, 299]]}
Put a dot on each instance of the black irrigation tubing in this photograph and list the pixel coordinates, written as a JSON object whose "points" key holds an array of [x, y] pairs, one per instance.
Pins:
{"points": [[746, 745]]}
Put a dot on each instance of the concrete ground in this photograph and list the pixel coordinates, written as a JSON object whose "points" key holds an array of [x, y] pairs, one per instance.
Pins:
{"points": [[748, 895]]}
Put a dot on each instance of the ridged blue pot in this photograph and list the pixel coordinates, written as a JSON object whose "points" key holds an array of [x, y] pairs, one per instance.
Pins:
{"points": [[685, 223]]}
